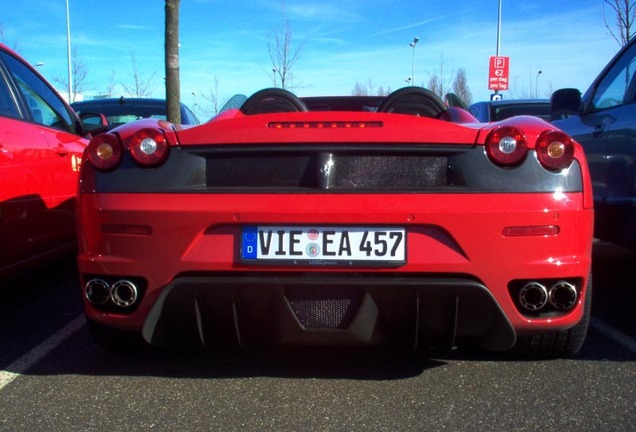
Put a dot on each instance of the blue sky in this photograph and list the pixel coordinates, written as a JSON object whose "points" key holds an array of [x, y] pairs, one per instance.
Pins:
{"points": [[224, 43]]}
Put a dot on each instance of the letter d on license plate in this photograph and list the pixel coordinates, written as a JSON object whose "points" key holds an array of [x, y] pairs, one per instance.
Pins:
{"points": [[324, 245]]}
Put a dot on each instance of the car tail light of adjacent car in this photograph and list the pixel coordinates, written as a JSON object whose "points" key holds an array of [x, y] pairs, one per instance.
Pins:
{"points": [[506, 146], [555, 150], [149, 147], [104, 151]]}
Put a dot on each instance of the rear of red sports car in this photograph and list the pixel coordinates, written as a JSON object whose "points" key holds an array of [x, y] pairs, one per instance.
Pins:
{"points": [[276, 225]]}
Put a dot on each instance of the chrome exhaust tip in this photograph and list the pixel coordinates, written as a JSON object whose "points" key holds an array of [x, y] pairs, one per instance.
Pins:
{"points": [[124, 293], [533, 296], [97, 292], [563, 295]]}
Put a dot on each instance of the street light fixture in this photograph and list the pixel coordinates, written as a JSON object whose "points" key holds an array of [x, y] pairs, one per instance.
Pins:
{"points": [[536, 85], [412, 45]]}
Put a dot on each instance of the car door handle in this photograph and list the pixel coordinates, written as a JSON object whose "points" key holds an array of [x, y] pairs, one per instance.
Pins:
{"points": [[598, 130], [61, 150]]}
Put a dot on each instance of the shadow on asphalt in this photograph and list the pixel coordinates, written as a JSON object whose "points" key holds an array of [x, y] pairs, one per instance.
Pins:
{"points": [[613, 269], [80, 356]]}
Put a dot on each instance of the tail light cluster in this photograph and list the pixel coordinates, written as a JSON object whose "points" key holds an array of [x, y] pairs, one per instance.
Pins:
{"points": [[148, 148], [507, 146]]}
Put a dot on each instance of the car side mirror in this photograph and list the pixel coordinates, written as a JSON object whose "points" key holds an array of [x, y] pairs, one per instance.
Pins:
{"points": [[567, 101], [94, 122]]}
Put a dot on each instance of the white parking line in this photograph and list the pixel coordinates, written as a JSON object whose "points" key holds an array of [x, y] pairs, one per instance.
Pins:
{"points": [[611, 333], [29, 360]]}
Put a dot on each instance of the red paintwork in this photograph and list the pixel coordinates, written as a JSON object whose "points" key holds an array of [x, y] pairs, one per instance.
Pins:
{"points": [[207, 240], [199, 232], [39, 169]]}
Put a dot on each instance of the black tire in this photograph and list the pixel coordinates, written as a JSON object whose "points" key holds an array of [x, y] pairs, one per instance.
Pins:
{"points": [[566, 343], [115, 340]]}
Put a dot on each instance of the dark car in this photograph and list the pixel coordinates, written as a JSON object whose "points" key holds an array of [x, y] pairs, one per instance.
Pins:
{"points": [[489, 111], [123, 110], [603, 120], [338, 221], [41, 146]]}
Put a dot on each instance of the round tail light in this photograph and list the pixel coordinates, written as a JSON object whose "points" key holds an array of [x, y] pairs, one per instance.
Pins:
{"points": [[555, 150], [506, 146], [149, 147], [104, 151]]}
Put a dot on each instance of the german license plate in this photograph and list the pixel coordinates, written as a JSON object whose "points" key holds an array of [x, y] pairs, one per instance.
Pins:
{"points": [[323, 245]]}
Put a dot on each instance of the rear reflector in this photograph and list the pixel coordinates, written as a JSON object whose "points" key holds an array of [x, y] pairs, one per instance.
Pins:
{"points": [[525, 231], [126, 229]]}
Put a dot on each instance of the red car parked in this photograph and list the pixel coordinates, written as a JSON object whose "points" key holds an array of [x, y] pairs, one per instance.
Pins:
{"points": [[345, 221], [41, 146]]}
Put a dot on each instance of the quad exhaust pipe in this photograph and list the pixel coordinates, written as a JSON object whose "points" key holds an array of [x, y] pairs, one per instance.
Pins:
{"points": [[563, 295], [122, 293], [97, 292], [534, 296]]}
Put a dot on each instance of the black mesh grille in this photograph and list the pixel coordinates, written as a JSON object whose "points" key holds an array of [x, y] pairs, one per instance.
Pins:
{"points": [[323, 170], [326, 308]]}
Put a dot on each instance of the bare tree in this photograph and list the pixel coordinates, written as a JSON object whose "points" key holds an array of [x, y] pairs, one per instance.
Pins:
{"points": [[15, 46], [110, 86], [173, 92], [140, 86], [460, 87], [437, 84], [79, 73], [212, 96], [625, 14], [282, 53], [368, 89], [360, 90]]}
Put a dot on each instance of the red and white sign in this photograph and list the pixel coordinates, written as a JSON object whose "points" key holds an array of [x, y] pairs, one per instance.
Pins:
{"points": [[498, 73]]}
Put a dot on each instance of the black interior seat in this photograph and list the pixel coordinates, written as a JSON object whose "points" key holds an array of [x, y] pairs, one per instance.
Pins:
{"points": [[414, 100], [272, 100]]}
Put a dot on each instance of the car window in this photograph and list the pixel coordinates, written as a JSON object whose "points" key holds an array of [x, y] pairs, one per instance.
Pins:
{"points": [[537, 110], [474, 110], [191, 118], [614, 88], [7, 105], [45, 106], [124, 113]]}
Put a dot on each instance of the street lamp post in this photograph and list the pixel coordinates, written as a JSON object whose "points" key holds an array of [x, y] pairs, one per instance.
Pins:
{"points": [[536, 85], [68, 53], [412, 45]]}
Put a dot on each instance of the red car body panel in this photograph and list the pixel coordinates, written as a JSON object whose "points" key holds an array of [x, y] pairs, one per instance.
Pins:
{"points": [[39, 169], [209, 241], [166, 238]]}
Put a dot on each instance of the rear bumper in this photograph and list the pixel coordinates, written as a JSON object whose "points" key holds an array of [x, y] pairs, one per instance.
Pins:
{"points": [[456, 281]]}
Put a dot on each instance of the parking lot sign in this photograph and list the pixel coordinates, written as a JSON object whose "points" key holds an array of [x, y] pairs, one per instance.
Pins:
{"points": [[498, 73]]}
